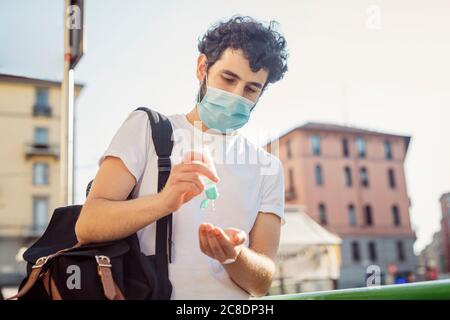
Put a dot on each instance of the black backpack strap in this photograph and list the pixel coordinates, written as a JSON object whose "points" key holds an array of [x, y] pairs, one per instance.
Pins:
{"points": [[163, 142]]}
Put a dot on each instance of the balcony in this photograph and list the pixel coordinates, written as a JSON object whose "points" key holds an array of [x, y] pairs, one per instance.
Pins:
{"points": [[42, 110], [41, 149]]}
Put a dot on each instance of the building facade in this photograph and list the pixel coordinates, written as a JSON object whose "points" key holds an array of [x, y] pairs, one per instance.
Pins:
{"points": [[352, 181], [430, 260], [29, 165], [445, 232]]}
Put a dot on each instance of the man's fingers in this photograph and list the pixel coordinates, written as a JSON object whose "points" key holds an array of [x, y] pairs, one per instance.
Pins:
{"points": [[200, 168], [194, 156], [191, 177], [236, 235], [203, 239], [240, 237], [225, 242], [186, 187], [215, 246]]}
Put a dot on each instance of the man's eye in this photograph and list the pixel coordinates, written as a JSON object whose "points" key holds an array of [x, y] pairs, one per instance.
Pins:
{"points": [[250, 89], [229, 80]]}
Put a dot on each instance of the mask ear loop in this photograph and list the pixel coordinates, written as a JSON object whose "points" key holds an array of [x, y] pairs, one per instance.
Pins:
{"points": [[206, 83], [257, 100]]}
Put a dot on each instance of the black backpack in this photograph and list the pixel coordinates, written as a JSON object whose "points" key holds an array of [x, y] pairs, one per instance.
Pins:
{"points": [[58, 267]]}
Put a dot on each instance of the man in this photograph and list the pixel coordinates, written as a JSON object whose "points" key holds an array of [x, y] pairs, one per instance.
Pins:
{"points": [[226, 250]]}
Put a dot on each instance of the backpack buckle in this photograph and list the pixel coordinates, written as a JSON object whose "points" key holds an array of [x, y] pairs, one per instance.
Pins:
{"points": [[164, 164], [40, 262], [103, 261]]}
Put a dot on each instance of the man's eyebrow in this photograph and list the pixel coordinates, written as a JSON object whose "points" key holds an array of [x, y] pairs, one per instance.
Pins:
{"points": [[231, 73]]}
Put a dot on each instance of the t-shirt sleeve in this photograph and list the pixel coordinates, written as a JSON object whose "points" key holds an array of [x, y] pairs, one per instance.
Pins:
{"points": [[272, 197], [130, 143]]}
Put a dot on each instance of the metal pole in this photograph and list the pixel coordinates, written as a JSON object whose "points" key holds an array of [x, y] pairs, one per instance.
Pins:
{"points": [[66, 128], [70, 134]]}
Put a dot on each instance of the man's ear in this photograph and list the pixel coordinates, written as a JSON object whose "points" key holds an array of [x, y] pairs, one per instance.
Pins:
{"points": [[201, 66]]}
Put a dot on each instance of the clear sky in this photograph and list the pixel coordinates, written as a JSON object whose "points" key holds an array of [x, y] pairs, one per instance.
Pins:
{"points": [[380, 65]]}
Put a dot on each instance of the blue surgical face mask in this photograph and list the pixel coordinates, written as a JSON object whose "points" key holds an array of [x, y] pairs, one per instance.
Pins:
{"points": [[222, 110]]}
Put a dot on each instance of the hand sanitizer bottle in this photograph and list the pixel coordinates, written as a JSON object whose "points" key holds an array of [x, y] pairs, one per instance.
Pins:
{"points": [[211, 191]]}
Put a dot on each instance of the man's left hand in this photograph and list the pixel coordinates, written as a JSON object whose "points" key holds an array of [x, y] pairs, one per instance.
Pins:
{"points": [[221, 244]]}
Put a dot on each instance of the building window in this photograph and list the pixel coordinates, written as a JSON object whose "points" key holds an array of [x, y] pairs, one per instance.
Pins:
{"points": [[290, 191], [345, 149], [322, 214], [361, 147], [368, 218], [40, 136], [315, 145], [40, 213], [40, 173], [388, 150], [288, 149], [395, 216], [391, 178], [364, 176], [42, 97], [348, 177], [291, 179], [400, 251], [351, 215], [319, 175], [355, 251], [372, 251], [41, 107]]}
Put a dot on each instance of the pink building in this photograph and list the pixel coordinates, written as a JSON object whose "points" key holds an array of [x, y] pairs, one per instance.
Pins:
{"points": [[352, 181], [445, 232]]}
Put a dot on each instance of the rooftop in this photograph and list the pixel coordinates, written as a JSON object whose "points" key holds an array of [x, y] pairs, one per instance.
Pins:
{"points": [[4, 77], [336, 128]]}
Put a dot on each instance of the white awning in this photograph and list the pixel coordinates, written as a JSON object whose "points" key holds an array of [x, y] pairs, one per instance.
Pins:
{"points": [[307, 251], [301, 231]]}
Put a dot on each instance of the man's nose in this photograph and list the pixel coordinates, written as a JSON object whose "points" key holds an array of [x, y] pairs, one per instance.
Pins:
{"points": [[239, 89]]}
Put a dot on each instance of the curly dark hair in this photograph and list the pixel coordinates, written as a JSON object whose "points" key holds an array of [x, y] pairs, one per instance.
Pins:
{"points": [[261, 44]]}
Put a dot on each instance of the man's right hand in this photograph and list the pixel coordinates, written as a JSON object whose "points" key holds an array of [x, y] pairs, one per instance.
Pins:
{"points": [[184, 181]]}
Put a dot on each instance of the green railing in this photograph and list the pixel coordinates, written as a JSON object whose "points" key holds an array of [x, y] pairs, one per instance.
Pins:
{"points": [[429, 290]]}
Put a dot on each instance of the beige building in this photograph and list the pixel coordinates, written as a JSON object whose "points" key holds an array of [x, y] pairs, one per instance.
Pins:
{"points": [[352, 182], [29, 164]]}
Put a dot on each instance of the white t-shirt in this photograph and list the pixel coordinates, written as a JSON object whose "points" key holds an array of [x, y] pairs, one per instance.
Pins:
{"points": [[251, 180]]}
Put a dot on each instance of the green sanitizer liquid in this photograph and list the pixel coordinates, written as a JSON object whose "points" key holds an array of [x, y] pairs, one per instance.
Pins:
{"points": [[211, 191], [211, 194]]}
